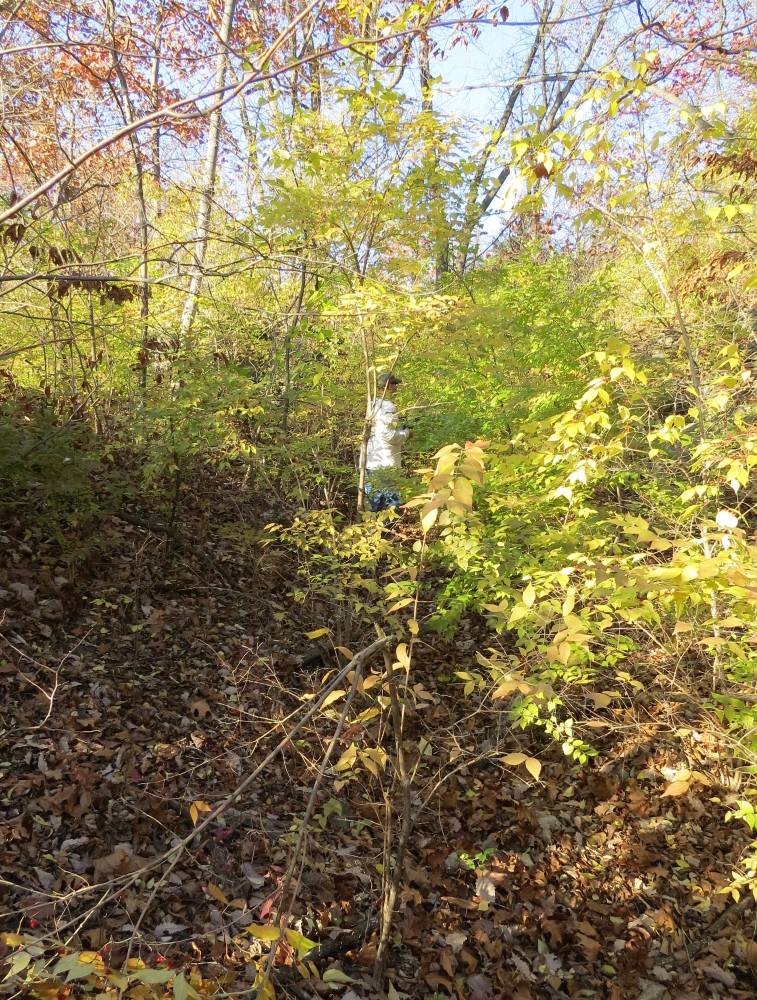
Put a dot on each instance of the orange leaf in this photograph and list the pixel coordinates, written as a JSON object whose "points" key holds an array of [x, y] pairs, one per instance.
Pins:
{"points": [[676, 788]]}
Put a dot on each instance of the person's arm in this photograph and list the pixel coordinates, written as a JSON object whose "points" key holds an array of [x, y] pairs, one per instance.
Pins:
{"points": [[387, 419]]}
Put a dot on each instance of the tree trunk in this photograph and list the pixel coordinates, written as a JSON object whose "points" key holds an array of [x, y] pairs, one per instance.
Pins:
{"points": [[209, 177], [369, 404], [127, 111], [154, 91]]}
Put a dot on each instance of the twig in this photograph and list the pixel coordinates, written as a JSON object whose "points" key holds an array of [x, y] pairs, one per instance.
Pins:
{"points": [[180, 846], [281, 917], [153, 524]]}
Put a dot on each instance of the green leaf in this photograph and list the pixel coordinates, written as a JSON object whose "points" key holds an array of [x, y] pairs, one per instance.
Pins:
{"points": [[19, 962], [300, 943], [182, 989], [336, 976], [80, 972], [263, 932], [153, 975], [66, 963]]}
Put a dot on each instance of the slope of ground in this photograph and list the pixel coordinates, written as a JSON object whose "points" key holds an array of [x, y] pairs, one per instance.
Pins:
{"points": [[141, 689]]}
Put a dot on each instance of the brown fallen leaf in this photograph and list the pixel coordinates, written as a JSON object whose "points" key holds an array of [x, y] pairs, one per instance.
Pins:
{"points": [[480, 987], [199, 709], [522, 992], [367, 954], [553, 931], [464, 904], [412, 925], [119, 862], [448, 962], [435, 980], [589, 946], [97, 937], [469, 960], [720, 975], [592, 904]]}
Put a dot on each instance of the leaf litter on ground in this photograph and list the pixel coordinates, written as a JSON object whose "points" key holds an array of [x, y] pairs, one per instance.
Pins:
{"points": [[131, 708]]}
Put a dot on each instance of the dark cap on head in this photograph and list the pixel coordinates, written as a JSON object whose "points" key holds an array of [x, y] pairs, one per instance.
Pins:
{"points": [[387, 378]]}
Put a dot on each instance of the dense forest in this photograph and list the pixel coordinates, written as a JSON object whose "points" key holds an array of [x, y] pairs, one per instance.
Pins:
{"points": [[260, 734]]}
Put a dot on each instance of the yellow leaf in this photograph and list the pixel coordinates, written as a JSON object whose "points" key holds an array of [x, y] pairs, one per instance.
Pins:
{"points": [[703, 779], [569, 602], [331, 698], [507, 688], [347, 759], [574, 622], [682, 627], [196, 808], [400, 604], [463, 493], [217, 893], [317, 633], [455, 507], [403, 655], [368, 714], [266, 991], [439, 481], [600, 700], [429, 515], [378, 755], [513, 759], [533, 766], [415, 502], [518, 612], [348, 654], [529, 595], [370, 764], [263, 932]]}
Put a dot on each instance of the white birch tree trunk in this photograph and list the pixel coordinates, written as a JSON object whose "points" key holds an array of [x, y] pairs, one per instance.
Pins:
{"points": [[208, 178]]}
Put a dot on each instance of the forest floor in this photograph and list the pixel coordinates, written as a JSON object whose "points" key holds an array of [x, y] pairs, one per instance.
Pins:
{"points": [[140, 689]]}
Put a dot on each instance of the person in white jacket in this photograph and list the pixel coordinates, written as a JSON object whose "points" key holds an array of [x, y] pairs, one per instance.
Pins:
{"points": [[384, 448]]}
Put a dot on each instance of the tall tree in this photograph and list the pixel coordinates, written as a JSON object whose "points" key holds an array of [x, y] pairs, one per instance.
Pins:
{"points": [[208, 182]]}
